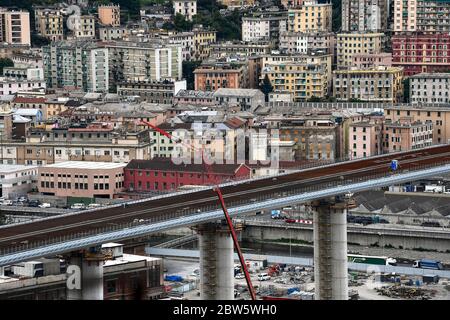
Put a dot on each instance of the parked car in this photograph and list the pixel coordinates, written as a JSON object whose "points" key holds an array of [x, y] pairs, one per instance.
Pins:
{"points": [[263, 277], [34, 203], [239, 276], [45, 205], [7, 203], [78, 206], [94, 205]]}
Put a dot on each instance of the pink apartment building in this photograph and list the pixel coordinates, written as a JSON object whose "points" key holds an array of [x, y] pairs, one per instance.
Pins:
{"points": [[405, 134], [81, 179], [365, 137], [371, 60]]}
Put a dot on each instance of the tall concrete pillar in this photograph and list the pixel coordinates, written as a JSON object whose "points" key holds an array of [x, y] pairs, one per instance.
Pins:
{"points": [[85, 275], [216, 262], [330, 250], [92, 280]]}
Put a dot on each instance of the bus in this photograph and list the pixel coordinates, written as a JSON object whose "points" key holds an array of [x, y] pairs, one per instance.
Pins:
{"points": [[383, 261]]}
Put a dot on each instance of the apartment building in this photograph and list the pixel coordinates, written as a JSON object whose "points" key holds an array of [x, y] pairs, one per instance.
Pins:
{"points": [[85, 28], [237, 3], [15, 27], [303, 76], [76, 143], [112, 33], [152, 92], [49, 23], [196, 44], [380, 84], [428, 16], [192, 97], [298, 42], [438, 115], [130, 61], [76, 65], [246, 99], [248, 49], [429, 88], [371, 60], [349, 44], [264, 26], [364, 15], [187, 8], [365, 137], [404, 135], [421, 53], [210, 76], [11, 85], [316, 137], [109, 15], [310, 17]]}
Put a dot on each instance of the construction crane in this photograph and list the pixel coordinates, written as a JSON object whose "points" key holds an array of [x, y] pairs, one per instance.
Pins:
{"points": [[217, 190]]}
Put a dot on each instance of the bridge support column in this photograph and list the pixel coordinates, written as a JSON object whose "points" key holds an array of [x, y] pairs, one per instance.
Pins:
{"points": [[90, 264], [216, 262], [330, 250]]}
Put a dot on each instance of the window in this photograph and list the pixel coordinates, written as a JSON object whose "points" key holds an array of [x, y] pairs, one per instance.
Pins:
{"points": [[111, 286]]}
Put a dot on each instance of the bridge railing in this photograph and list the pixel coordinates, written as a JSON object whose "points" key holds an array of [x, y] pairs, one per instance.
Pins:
{"points": [[206, 208]]}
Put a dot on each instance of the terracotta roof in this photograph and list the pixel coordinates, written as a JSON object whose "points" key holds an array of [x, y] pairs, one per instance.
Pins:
{"points": [[29, 100]]}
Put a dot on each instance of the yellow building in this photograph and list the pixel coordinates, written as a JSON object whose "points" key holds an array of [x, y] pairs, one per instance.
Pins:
{"points": [[310, 17], [379, 84], [303, 76], [49, 24], [349, 44]]}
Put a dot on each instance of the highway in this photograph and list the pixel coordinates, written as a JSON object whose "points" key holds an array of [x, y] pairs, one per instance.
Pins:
{"points": [[239, 191]]}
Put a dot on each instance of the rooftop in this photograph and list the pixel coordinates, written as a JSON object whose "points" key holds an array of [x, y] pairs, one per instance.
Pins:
{"points": [[431, 76], [9, 168], [237, 92], [91, 165]]}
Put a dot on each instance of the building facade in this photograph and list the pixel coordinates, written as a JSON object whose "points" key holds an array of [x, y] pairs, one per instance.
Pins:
{"points": [[264, 26], [404, 135], [310, 17], [428, 16], [380, 84], [364, 15], [81, 179], [187, 8], [109, 15], [429, 88], [212, 76], [49, 24], [15, 27], [421, 53], [349, 44], [76, 65]]}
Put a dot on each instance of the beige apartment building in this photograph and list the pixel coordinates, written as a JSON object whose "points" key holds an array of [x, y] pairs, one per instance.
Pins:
{"points": [[109, 15], [15, 27], [439, 117], [349, 44], [187, 8], [81, 179], [310, 17], [49, 24], [379, 84], [430, 88], [430, 16], [406, 134], [85, 28]]}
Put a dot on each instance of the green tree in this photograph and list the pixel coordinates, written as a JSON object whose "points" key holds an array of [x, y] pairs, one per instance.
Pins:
{"points": [[181, 24], [5, 62], [266, 87]]}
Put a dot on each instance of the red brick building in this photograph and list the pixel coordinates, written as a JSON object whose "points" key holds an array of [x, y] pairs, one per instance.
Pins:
{"points": [[161, 174], [419, 53]]}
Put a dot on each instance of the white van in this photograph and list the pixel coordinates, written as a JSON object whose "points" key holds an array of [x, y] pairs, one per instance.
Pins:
{"points": [[263, 277], [78, 206]]}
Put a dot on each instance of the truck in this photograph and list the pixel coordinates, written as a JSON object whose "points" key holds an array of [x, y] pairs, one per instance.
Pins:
{"points": [[275, 214], [382, 261], [435, 188], [428, 264]]}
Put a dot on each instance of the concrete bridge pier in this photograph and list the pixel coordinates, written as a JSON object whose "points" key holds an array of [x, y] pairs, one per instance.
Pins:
{"points": [[87, 284], [216, 262], [330, 250]]}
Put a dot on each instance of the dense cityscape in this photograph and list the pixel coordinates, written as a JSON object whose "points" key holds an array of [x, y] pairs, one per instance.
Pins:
{"points": [[225, 150]]}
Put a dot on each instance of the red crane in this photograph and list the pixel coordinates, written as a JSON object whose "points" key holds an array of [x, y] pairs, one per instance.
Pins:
{"points": [[223, 205]]}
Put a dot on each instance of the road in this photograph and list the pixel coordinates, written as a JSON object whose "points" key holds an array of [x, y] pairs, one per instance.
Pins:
{"points": [[247, 190]]}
